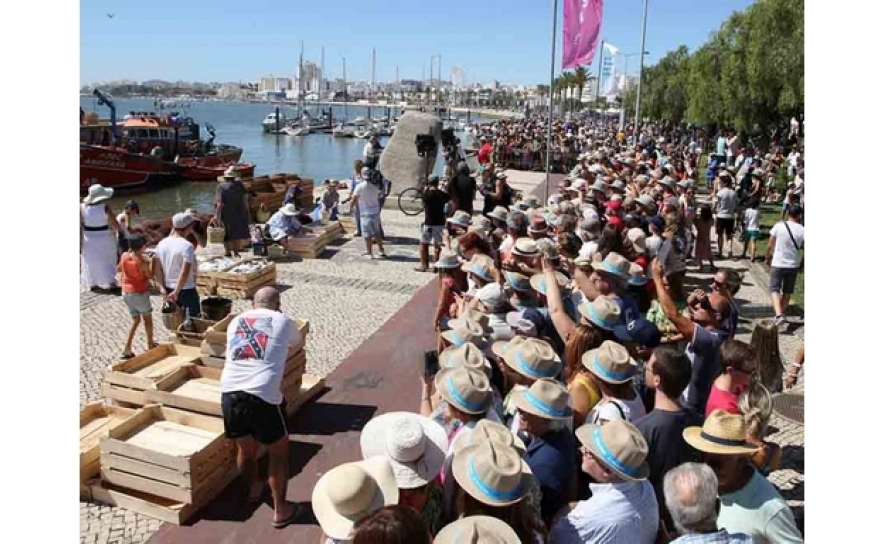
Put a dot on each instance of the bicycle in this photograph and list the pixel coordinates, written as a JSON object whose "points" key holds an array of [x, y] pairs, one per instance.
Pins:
{"points": [[411, 201]]}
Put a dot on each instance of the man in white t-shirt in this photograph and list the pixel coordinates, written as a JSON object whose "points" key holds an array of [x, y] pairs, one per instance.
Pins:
{"points": [[258, 343], [367, 195], [725, 215], [785, 260], [175, 265]]}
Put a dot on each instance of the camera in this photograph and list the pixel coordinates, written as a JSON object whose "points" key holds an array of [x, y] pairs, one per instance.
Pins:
{"points": [[426, 144]]}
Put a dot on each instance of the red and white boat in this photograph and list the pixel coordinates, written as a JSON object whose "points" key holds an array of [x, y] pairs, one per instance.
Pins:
{"points": [[146, 151], [195, 172]]}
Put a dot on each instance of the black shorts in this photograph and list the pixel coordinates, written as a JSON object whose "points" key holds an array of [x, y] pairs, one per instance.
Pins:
{"points": [[782, 280], [248, 415], [724, 226]]}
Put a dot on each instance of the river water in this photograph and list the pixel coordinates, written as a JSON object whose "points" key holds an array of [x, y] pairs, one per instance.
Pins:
{"points": [[318, 156]]}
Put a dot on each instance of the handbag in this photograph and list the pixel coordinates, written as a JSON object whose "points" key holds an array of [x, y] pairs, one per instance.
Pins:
{"points": [[801, 266]]}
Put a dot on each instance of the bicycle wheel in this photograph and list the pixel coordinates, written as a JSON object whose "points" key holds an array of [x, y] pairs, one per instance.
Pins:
{"points": [[411, 201]]}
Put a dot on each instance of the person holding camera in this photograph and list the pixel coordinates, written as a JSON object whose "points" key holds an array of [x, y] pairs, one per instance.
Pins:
{"points": [[367, 195]]}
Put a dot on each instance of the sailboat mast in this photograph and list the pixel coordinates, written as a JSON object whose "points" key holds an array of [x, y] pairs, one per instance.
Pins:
{"points": [[321, 78]]}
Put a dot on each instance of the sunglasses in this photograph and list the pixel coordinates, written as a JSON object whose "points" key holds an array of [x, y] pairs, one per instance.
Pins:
{"points": [[719, 285]]}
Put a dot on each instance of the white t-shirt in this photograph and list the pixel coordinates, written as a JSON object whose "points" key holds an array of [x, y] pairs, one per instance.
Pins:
{"points": [[785, 254], [173, 252], [727, 203], [652, 244], [752, 219], [258, 341], [588, 249], [369, 198]]}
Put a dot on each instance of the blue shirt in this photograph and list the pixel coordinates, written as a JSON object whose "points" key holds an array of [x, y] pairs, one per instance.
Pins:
{"points": [[622, 512], [281, 225], [552, 461]]}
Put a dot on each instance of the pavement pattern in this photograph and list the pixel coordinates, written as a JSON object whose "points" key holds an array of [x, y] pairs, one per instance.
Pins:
{"points": [[347, 297]]}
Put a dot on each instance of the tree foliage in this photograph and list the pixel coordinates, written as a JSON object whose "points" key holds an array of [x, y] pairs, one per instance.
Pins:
{"points": [[748, 75]]}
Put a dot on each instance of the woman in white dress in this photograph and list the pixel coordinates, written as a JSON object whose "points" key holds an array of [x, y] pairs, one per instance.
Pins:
{"points": [[98, 245]]}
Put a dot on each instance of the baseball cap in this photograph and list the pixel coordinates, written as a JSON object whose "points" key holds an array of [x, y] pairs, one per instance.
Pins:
{"points": [[658, 222], [638, 331], [182, 220]]}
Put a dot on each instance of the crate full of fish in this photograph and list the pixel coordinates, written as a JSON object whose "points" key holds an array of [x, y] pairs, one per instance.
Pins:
{"points": [[211, 267]]}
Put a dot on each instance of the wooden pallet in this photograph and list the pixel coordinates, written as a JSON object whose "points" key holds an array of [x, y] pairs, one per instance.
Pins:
{"points": [[169, 453], [145, 370]]}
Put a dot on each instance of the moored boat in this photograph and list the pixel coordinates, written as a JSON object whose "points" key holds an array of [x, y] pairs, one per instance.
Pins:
{"points": [[212, 173]]}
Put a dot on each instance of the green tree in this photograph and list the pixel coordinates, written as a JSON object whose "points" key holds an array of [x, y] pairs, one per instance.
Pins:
{"points": [[581, 78]]}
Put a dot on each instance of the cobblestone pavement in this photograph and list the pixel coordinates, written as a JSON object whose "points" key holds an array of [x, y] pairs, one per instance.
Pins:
{"points": [[346, 297]]}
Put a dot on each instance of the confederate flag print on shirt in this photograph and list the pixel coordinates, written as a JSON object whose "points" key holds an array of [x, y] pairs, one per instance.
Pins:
{"points": [[251, 338]]}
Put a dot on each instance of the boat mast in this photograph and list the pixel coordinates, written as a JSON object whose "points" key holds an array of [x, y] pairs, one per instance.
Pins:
{"points": [[345, 88], [321, 79], [301, 84]]}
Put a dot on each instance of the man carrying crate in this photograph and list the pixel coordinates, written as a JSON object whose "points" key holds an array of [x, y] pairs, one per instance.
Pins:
{"points": [[258, 342]]}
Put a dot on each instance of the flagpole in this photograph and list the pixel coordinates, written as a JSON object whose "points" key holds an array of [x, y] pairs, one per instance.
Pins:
{"points": [[641, 66], [552, 77]]}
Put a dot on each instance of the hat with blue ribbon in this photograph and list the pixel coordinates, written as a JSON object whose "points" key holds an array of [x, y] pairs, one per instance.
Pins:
{"points": [[492, 473], [610, 363], [464, 388], [602, 312], [615, 264], [619, 446], [531, 357], [546, 398]]}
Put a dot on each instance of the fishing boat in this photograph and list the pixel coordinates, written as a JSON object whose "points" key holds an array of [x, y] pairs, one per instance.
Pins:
{"points": [[212, 173], [145, 150]]}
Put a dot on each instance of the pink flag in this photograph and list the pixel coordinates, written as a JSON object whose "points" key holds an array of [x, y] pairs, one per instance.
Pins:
{"points": [[583, 23]]}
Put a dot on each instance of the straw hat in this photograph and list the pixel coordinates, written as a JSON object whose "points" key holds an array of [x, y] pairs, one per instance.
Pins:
{"points": [[602, 312], [546, 398], [636, 275], [414, 444], [485, 430], [614, 264], [530, 201], [348, 492], [466, 389], [492, 474], [538, 282], [667, 182], [637, 238], [526, 247], [477, 530], [447, 260], [97, 194], [531, 357], [619, 446], [519, 282], [460, 218], [645, 201], [468, 355], [499, 212], [610, 362], [480, 265], [618, 185], [289, 210], [464, 331], [538, 225], [480, 224], [476, 316], [232, 172], [722, 433]]}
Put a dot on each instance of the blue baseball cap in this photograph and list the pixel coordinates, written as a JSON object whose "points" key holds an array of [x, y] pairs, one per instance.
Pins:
{"points": [[638, 331]]}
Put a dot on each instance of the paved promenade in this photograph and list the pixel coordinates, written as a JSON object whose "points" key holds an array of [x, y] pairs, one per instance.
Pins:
{"points": [[348, 299]]}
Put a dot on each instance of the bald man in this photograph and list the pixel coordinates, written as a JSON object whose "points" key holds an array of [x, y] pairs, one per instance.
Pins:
{"points": [[258, 342]]}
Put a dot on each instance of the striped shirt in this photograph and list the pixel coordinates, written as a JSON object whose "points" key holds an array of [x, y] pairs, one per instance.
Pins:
{"points": [[622, 512]]}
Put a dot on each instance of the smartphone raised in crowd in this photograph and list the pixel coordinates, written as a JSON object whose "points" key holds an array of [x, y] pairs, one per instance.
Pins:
{"points": [[431, 362]]}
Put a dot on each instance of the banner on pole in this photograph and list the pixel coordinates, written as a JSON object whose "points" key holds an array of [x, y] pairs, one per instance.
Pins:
{"points": [[580, 35]]}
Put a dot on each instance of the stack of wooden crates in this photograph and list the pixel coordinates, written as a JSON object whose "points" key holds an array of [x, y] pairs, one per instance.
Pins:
{"points": [[225, 283], [158, 446]]}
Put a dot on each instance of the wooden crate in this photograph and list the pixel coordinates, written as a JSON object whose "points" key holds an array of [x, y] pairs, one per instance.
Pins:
{"points": [[244, 293], [168, 453], [194, 339], [96, 419], [123, 396], [195, 388], [310, 387], [215, 342], [143, 371], [230, 280], [206, 278], [315, 237], [348, 223]]}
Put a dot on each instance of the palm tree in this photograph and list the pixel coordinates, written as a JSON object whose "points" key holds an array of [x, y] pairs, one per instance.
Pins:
{"points": [[581, 78], [558, 86], [568, 83]]}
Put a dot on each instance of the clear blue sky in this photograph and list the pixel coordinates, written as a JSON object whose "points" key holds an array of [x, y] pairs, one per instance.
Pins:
{"points": [[232, 40]]}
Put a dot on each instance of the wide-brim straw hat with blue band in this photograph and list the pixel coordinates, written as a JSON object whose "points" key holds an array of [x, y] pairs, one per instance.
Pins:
{"points": [[464, 331], [477, 529], [460, 218], [480, 265], [519, 282], [531, 357], [499, 212], [546, 398], [614, 264], [485, 430], [492, 474], [619, 446], [602, 312], [610, 363], [722, 433], [637, 275], [468, 355], [464, 388], [447, 260], [538, 283]]}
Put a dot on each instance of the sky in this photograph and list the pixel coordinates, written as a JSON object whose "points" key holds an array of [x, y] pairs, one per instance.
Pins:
{"points": [[236, 40]]}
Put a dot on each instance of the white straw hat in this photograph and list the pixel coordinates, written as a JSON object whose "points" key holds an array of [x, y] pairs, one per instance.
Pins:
{"points": [[477, 530], [415, 446], [97, 194]]}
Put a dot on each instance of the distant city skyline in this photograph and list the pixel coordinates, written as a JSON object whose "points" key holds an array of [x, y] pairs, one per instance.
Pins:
{"points": [[236, 41]]}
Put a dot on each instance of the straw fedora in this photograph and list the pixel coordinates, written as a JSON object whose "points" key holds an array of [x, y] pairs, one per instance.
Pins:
{"points": [[414, 444], [477, 530], [546, 398], [447, 260], [478, 317], [538, 225], [599, 186], [722, 433], [485, 430], [645, 201], [232, 172], [538, 282], [610, 362], [614, 264], [348, 492], [637, 238], [480, 224], [97, 194], [530, 201], [480, 265], [499, 212], [464, 331], [519, 282], [531, 357], [526, 247], [289, 210], [492, 474], [466, 389], [619, 446], [636, 275], [460, 218], [667, 182], [468, 355], [602, 312]]}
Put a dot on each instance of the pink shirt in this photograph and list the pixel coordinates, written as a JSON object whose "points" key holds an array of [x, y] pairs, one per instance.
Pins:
{"points": [[722, 400]]}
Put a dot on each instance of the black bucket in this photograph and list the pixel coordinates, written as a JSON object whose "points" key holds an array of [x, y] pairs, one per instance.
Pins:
{"points": [[216, 308]]}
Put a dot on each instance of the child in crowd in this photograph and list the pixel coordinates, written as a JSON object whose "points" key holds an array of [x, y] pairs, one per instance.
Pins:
{"points": [[752, 226], [136, 272]]}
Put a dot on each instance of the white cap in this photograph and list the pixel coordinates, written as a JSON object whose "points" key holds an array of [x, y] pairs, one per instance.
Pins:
{"points": [[492, 296], [182, 220]]}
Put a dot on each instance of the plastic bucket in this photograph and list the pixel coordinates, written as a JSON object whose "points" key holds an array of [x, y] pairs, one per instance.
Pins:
{"points": [[216, 308], [172, 318]]}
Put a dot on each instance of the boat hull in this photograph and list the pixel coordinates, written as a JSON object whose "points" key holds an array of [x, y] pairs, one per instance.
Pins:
{"points": [[212, 173], [121, 170]]}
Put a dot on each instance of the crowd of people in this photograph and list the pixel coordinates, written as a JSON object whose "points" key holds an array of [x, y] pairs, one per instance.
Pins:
{"points": [[580, 390]]}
